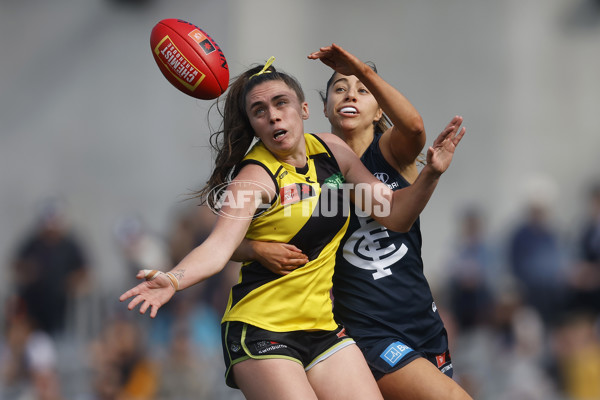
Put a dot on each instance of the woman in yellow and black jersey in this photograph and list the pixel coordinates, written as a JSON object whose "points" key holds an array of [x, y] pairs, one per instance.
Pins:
{"points": [[279, 337], [301, 215]]}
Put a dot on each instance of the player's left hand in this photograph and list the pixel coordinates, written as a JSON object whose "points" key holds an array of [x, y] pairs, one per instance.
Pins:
{"points": [[439, 155], [338, 59], [151, 293]]}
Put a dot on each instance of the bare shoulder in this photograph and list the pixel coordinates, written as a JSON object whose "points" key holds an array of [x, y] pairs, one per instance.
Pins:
{"points": [[252, 171], [254, 178], [340, 149], [329, 138], [335, 143]]}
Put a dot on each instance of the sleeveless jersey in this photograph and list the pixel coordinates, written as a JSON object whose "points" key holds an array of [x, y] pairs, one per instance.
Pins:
{"points": [[379, 287], [308, 212]]}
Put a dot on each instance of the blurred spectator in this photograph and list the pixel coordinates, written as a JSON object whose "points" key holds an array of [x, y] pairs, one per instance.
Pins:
{"points": [[50, 268], [508, 361], [471, 271], [584, 282], [537, 261], [141, 248], [28, 359], [190, 228], [184, 374], [521, 370], [123, 366], [191, 225], [590, 240], [576, 344]]}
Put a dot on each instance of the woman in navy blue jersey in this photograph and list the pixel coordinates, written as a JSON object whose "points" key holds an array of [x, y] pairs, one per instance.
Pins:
{"points": [[380, 292]]}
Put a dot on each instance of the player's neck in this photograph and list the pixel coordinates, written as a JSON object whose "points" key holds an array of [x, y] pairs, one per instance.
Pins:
{"points": [[358, 139]]}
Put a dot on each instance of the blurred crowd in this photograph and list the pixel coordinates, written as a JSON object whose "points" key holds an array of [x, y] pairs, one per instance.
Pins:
{"points": [[522, 310]]}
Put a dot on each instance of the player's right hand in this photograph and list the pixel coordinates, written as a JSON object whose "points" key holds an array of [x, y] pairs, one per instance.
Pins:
{"points": [[279, 258]]}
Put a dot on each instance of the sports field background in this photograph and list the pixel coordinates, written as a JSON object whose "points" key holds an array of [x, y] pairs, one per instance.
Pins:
{"points": [[86, 115]]}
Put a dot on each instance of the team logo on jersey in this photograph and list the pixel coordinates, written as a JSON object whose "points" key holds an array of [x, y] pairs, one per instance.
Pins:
{"points": [[364, 249], [334, 181], [382, 176]]}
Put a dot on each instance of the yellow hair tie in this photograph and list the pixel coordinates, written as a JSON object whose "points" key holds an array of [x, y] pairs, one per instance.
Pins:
{"points": [[264, 70]]}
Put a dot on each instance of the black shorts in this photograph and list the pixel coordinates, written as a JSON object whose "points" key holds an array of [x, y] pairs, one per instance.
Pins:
{"points": [[242, 342], [385, 356]]}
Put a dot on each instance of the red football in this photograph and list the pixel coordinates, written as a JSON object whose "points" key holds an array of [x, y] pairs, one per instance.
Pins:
{"points": [[189, 58]]}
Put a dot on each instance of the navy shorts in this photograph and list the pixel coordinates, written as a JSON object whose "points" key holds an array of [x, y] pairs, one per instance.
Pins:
{"points": [[243, 341], [385, 356]]}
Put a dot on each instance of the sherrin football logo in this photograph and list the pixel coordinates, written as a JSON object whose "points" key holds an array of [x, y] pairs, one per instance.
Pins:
{"points": [[184, 71], [204, 43]]}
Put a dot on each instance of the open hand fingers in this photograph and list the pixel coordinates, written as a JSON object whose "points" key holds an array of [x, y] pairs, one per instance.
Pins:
{"points": [[456, 121], [337, 59], [130, 293], [449, 131], [134, 302], [320, 53], [443, 135], [153, 308], [456, 140], [140, 299], [144, 307]]}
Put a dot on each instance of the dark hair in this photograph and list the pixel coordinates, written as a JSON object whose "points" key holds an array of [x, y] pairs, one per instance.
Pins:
{"points": [[384, 122], [232, 140]]}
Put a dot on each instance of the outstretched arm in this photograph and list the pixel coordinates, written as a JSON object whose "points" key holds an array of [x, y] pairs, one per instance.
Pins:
{"points": [[406, 138], [212, 255]]}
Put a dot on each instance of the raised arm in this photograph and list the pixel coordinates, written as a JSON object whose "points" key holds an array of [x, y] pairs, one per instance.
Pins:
{"points": [[404, 141]]}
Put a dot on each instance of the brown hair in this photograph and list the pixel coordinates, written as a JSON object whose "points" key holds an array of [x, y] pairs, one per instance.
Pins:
{"points": [[233, 138]]}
